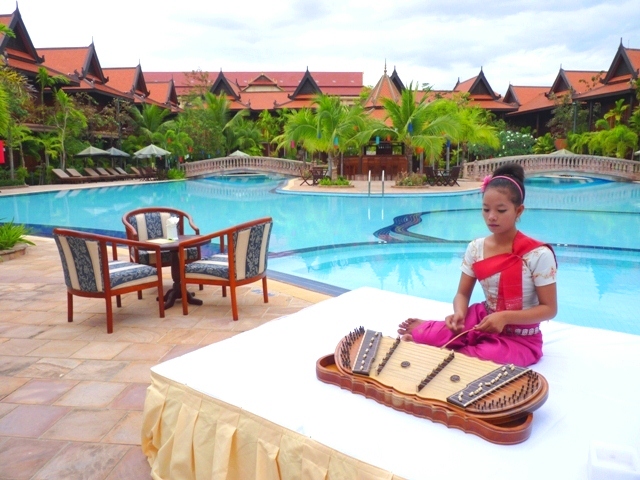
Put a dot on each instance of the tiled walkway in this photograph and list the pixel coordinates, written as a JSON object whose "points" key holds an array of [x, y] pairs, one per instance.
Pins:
{"points": [[71, 396]]}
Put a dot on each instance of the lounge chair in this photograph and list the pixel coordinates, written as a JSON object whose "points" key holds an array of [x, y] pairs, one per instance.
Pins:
{"points": [[76, 174], [64, 177], [95, 175], [108, 175], [88, 272], [122, 171]]}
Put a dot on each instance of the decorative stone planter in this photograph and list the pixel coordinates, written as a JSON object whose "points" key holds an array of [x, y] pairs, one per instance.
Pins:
{"points": [[17, 251]]}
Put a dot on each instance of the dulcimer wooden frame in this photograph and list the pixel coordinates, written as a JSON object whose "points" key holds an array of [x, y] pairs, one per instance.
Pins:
{"points": [[510, 425]]}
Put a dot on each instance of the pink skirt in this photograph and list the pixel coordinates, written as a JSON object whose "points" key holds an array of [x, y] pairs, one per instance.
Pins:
{"points": [[517, 344]]}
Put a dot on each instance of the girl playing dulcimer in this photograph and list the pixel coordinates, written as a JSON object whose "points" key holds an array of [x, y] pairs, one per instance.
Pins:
{"points": [[517, 274]]}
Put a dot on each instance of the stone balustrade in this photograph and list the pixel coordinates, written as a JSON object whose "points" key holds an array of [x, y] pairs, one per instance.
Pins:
{"points": [[242, 164], [572, 164]]}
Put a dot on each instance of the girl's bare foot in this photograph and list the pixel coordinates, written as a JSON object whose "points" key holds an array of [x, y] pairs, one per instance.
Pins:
{"points": [[406, 327]]}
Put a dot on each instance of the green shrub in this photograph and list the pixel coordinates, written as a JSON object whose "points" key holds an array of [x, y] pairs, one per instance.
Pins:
{"points": [[175, 174], [340, 181], [411, 180], [11, 234]]}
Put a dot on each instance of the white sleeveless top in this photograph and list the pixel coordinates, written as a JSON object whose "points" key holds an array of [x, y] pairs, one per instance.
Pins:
{"points": [[538, 270]]}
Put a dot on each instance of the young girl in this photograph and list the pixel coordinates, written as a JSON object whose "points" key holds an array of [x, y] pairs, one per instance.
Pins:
{"points": [[517, 274]]}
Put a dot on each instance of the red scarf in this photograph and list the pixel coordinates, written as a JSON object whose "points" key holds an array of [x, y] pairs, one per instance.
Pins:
{"points": [[509, 265]]}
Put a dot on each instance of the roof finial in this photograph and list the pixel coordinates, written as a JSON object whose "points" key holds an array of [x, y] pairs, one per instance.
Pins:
{"points": [[385, 66]]}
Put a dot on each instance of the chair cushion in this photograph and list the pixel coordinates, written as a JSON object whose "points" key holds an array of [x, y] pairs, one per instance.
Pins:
{"points": [[148, 257], [215, 266], [150, 225], [124, 274]]}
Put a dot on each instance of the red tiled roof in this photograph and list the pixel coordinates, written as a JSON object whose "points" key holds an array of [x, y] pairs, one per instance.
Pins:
{"points": [[538, 102], [622, 85], [634, 57], [349, 81], [581, 81], [383, 89], [163, 92], [124, 79], [523, 94], [69, 61], [464, 86]]}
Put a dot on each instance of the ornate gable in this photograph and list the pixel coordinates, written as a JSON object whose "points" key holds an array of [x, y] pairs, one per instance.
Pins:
{"points": [[222, 85], [307, 86], [91, 69], [262, 83], [621, 67], [385, 88], [477, 87], [511, 97], [139, 85], [561, 84], [395, 79], [20, 46]]}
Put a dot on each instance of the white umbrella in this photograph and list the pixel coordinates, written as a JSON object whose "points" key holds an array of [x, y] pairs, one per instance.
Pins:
{"points": [[92, 152], [239, 153], [151, 151], [114, 152]]}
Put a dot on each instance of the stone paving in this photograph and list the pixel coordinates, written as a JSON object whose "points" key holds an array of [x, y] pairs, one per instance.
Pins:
{"points": [[71, 395]]}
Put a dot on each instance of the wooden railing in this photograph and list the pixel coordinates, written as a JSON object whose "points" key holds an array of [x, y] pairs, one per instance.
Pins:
{"points": [[242, 164], [606, 167]]}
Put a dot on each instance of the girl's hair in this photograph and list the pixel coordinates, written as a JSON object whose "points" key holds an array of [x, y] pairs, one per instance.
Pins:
{"points": [[510, 177]]}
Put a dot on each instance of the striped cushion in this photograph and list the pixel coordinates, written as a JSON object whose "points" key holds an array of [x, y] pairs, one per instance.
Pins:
{"points": [[82, 266], [125, 274], [150, 225], [251, 247]]}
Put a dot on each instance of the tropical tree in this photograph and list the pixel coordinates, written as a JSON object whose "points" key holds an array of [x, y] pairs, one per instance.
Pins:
{"points": [[44, 81], [616, 114], [329, 128], [149, 120], [417, 124], [15, 102], [69, 122], [243, 134]]}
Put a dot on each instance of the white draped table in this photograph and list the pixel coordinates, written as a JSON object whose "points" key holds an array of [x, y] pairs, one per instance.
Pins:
{"points": [[251, 406]]}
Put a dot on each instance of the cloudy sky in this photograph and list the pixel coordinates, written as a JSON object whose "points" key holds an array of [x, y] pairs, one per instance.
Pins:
{"points": [[522, 42]]}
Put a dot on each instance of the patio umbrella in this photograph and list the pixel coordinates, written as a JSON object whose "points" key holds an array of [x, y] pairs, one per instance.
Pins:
{"points": [[114, 153], [92, 152], [151, 151], [239, 153]]}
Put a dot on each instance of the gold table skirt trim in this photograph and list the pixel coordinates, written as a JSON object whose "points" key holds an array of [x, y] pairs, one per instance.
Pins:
{"points": [[188, 435]]}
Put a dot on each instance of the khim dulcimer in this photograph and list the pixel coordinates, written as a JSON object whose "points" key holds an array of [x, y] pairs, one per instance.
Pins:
{"points": [[493, 401]]}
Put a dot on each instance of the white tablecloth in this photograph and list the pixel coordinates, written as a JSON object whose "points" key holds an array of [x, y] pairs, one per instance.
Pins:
{"points": [[593, 379]]}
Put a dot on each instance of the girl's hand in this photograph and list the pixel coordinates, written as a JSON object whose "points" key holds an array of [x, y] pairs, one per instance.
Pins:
{"points": [[454, 322], [493, 323]]}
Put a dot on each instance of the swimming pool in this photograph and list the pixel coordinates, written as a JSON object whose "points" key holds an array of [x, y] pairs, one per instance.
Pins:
{"points": [[406, 244]]}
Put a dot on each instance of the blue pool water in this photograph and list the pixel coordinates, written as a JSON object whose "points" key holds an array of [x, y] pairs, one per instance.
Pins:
{"points": [[406, 244]]}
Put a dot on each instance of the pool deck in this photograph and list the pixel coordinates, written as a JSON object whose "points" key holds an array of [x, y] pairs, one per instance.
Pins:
{"points": [[71, 396]]}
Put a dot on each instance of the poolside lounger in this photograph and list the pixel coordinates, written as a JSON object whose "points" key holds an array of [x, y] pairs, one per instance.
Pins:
{"points": [[76, 174], [64, 177], [115, 173], [92, 173], [107, 175], [122, 171]]}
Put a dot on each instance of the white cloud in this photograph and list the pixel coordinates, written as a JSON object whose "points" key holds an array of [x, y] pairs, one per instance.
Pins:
{"points": [[522, 41]]}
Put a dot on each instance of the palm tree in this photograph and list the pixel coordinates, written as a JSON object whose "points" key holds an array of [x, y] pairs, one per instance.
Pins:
{"points": [[329, 129], [44, 80], [150, 120], [417, 124]]}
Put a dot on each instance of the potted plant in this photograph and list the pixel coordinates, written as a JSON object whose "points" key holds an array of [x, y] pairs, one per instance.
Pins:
{"points": [[13, 241]]}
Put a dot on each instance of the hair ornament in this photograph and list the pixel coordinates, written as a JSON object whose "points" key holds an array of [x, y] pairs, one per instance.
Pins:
{"points": [[485, 182]]}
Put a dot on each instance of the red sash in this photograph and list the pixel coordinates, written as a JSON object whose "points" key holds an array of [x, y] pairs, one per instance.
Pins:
{"points": [[509, 265]]}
